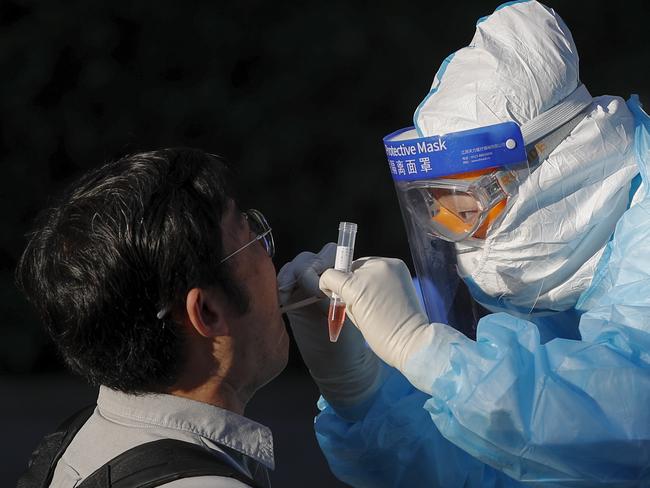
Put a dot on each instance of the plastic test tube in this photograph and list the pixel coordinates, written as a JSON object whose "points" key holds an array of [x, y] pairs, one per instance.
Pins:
{"points": [[344, 253]]}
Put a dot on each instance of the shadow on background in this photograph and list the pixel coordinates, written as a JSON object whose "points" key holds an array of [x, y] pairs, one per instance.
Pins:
{"points": [[298, 96]]}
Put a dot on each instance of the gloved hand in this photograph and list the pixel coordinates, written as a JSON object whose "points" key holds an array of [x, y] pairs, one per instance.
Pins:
{"points": [[346, 372], [382, 302]]}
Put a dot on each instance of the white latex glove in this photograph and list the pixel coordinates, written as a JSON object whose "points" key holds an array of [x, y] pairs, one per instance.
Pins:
{"points": [[382, 302], [347, 372]]}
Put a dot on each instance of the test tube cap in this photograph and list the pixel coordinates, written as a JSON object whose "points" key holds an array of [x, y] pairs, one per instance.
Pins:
{"points": [[348, 227]]}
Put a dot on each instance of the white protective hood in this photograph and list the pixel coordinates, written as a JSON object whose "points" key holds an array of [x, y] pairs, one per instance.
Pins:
{"points": [[542, 255]]}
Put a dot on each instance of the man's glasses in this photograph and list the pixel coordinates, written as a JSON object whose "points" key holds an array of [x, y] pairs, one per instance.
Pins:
{"points": [[260, 227], [262, 230]]}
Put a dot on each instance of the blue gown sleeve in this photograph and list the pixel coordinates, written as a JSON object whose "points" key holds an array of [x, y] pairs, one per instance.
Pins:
{"points": [[395, 444], [561, 413]]}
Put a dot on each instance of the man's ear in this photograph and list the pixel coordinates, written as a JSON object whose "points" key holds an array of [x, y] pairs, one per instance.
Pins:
{"points": [[206, 312]]}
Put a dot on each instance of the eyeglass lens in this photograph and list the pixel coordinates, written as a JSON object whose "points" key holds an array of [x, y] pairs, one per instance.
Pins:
{"points": [[261, 227]]}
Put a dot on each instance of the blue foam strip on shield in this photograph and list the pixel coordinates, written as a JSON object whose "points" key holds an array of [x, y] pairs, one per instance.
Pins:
{"points": [[430, 157]]}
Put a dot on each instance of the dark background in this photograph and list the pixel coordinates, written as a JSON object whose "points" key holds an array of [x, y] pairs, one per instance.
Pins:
{"points": [[297, 94]]}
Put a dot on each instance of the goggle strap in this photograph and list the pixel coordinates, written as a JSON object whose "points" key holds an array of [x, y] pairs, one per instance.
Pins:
{"points": [[539, 150], [553, 118], [508, 181]]}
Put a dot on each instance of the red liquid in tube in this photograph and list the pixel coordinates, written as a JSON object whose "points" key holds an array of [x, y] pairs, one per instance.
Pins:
{"points": [[335, 319]]}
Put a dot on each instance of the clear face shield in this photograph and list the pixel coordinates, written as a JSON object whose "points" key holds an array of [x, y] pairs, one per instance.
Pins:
{"points": [[452, 190]]}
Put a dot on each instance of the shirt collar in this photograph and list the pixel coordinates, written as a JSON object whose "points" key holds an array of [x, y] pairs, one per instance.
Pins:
{"points": [[174, 412]]}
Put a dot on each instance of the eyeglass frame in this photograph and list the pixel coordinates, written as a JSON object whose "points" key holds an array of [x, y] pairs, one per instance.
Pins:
{"points": [[259, 219], [266, 236]]}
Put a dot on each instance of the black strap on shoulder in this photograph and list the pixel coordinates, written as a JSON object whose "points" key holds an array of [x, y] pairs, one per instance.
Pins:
{"points": [[42, 462], [158, 462]]}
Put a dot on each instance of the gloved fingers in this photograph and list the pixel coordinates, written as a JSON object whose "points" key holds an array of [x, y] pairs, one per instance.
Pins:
{"points": [[378, 268], [333, 281], [325, 358], [308, 281], [284, 295], [290, 273], [309, 278], [358, 263], [371, 268], [325, 257], [302, 273]]}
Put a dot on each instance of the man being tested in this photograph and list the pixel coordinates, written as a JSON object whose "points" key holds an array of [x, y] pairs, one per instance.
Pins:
{"points": [[156, 286]]}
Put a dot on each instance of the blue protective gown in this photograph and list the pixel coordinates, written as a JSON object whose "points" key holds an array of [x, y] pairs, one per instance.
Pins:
{"points": [[524, 404]]}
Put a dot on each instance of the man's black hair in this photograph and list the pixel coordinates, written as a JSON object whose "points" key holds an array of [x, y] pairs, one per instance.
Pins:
{"points": [[129, 238]]}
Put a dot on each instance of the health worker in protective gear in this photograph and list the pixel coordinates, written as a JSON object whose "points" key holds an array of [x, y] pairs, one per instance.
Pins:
{"points": [[517, 185]]}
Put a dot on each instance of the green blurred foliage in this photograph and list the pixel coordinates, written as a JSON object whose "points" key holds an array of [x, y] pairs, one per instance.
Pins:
{"points": [[297, 94]]}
